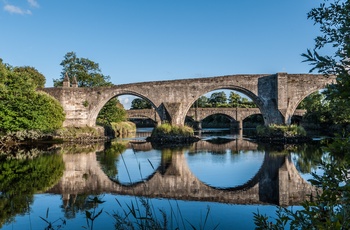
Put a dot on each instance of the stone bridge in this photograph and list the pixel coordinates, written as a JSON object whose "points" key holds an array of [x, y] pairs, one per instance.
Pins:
{"points": [[277, 96], [198, 114], [276, 181]]}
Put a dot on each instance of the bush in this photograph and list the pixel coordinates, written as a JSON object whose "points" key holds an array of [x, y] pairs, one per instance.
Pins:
{"points": [[167, 130], [123, 128], [280, 130]]}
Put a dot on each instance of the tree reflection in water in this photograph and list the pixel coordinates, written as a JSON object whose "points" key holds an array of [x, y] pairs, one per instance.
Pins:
{"points": [[21, 179]]}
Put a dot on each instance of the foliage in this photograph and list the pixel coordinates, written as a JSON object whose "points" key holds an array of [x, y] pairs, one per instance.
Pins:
{"points": [[330, 208], [37, 77], [318, 109], [140, 103], [92, 215], [89, 74], [280, 130], [20, 179], [334, 21], [51, 225], [109, 157], [123, 128], [219, 99], [166, 129], [22, 107], [112, 111], [80, 133]]}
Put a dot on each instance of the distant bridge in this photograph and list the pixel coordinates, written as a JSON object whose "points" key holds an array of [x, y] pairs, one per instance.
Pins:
{"points": [[276, 182], [276, 95], [198, 114]]}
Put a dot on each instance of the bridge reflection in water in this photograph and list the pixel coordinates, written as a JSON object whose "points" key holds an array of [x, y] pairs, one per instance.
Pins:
{"points": [[276, 182]]}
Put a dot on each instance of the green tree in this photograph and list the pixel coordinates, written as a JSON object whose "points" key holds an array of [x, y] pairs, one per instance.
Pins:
{"points": [[88, 74], [202, 102], [330, 209], [317, 108], [140, 103], [22, 107], [333, 19], [234, 99], [20, 179], [37, 77], [113, 111], [218, 99]]}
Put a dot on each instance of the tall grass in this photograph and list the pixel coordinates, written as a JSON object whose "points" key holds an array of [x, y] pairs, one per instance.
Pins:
{"points": [[167, 130], [280, 130]]}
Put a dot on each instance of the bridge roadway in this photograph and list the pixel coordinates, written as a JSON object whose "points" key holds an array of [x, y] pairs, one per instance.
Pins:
{"points": [[198, 114], [276, 95], [276, 181]]}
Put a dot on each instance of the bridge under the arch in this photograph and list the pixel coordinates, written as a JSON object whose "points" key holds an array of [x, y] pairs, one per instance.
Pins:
{"points": [[277, 95], [198, 114]]}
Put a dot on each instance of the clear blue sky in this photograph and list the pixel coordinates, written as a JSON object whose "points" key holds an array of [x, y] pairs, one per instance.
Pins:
{"points": [[147, 40]]}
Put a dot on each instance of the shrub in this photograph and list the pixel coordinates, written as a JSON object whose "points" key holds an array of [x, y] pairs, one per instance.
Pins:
{"points": [[280, 130], [166, 129]]}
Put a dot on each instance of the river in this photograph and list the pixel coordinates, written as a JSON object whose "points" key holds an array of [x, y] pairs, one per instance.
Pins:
{"points": [[218, 182]]}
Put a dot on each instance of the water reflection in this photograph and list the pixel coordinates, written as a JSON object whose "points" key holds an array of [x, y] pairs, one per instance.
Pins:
{"points": [[227, 169], [225, 172]]}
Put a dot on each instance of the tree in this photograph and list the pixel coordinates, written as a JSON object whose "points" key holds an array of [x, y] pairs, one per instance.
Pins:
{"points": [[22, 107], [202, 102], [140, 103], [113, 111], [334, 21], [37, 77], [234, 99], [87, 72], [317, 108], [218, 98], [330, 209]]}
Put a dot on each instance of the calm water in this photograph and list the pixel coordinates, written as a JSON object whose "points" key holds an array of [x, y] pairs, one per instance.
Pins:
{"points": [[215, 182]]}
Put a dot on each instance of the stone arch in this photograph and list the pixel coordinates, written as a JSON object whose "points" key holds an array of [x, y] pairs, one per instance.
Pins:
{"points": [[112, 94], [219, 113], [214, 87], [291, 110], [138, 114]]}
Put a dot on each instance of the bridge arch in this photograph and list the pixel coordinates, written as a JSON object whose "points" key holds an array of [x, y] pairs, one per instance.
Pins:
{"points": [[292, 109], [276, 95], [245, 91], [112, 94]]}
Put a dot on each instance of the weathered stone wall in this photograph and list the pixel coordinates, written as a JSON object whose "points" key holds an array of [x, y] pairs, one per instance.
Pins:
{"points": [[277, 96]]}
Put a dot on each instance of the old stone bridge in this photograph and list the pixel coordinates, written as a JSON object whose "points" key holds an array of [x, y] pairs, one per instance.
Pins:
{"points": [[276, 181], [198, 114], [277, 96]]}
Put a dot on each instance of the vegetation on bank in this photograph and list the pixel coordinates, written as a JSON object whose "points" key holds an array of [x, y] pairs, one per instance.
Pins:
{"points": [[330, 209], [274, 130], [20, 179], [22, 107], [167, 133]]}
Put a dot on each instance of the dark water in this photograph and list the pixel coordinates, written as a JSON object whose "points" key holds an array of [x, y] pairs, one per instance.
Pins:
{"points": [[218, 182]]}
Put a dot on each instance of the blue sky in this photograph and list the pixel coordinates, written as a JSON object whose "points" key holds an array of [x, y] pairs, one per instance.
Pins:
{"points": [[139, 40]]}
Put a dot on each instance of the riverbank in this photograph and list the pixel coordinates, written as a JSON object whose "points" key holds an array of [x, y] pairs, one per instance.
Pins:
{"points": [[172, 134], [281, 134]]}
